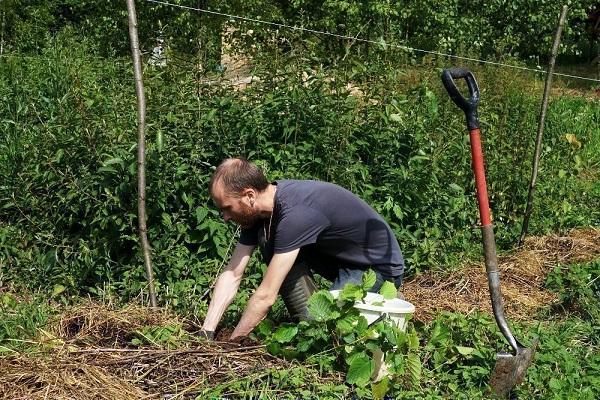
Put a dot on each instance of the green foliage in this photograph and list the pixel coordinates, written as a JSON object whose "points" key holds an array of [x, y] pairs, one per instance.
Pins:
{"points": [[482, 28], [338, 338], [578, 286], [67, 163], [20, 320], [388, 290], [362, 117]]}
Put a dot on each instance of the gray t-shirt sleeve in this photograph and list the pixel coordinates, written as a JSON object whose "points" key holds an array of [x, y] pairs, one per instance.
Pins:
{"points": [[299, 227]]}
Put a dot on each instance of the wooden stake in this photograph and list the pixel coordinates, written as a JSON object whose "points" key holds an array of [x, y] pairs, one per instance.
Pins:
{"points": [[141, 154], [540, 131]]}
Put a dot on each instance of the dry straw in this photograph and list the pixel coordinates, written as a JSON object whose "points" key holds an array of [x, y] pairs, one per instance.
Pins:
{"points": [[87, 354], [522, 276]]}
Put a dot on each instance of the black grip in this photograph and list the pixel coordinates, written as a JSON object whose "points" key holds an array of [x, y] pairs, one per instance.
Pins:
{"points": [[469, 106]]}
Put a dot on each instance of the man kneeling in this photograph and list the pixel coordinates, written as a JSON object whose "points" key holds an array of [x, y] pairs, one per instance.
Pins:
{"points": [[301, 227]]}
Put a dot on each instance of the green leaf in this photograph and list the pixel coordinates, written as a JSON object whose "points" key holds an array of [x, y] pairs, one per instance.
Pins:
{"points": [[380, 389], [107, 169], [413, 340], [166, 220], [388, 290], [360, 370], [116, 160], [439, 337], [456, 188], [265, 327], [555, 384], [352, 292], [285, 334], [465, 351], [321, 306], [353, 356], [346, 324], [362, 325], [159, 140], [201, 213], [368, 280], [396, 117], [58, 289], [274, 348], [414, 368]]}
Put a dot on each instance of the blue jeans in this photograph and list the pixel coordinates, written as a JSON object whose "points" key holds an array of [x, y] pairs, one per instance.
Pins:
{"points": [[353, 275], [340, 273], [299, 284]]}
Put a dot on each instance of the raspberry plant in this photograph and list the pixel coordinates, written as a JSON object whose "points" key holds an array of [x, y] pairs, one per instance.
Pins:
{"points": [[338, 338]]}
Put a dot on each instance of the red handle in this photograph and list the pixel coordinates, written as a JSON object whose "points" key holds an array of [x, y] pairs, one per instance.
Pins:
{"points": [[480, 183]]}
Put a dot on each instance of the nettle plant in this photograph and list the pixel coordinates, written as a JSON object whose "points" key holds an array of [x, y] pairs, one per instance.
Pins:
{"points": [[338, 337]]}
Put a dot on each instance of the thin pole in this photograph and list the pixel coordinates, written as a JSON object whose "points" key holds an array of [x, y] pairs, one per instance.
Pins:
{"points": [[2, 39], [540, 131], [141, 154]]}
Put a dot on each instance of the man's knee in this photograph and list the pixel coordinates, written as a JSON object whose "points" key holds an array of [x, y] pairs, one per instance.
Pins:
{"points": [[296, 289]]}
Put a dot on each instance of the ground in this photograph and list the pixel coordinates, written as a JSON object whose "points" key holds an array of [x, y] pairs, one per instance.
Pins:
{"points": [[96, 351]]}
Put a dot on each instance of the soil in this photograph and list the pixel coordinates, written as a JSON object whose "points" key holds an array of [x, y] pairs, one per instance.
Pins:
{"points": [[224, 334]]}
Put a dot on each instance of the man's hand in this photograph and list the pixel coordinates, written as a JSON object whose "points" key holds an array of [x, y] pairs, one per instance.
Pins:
{"points": [[238, 339]]}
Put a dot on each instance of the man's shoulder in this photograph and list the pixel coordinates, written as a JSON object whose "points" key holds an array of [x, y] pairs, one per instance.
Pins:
{"points": [[293, 184]]}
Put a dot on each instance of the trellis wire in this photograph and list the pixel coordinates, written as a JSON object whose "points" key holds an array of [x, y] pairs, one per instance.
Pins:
{"points": [[356, 39]]}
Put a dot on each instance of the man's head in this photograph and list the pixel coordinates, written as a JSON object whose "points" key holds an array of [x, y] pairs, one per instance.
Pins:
{"points": [[234, 187]]}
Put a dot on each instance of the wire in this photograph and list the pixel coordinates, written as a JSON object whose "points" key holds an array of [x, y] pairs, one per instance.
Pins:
{"points": [[408, 48]]}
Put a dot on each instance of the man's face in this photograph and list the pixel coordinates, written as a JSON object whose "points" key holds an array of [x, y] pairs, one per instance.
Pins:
{"points": [[234, 208]]}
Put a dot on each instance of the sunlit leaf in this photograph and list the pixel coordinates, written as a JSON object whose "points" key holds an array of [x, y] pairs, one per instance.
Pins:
{"points": [[352, 292], [285, 334], [360, 371], [380, 389], [388, 290], [465, 351], [368, 279], [321, 306]]}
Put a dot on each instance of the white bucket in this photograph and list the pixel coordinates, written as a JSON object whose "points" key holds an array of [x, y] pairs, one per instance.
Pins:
{"points": [[374, 306]]}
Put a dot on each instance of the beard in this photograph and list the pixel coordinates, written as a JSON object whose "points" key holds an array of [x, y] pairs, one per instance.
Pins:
{"points": [[246, 217]]}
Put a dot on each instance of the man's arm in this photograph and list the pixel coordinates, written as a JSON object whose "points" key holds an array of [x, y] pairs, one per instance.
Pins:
{"points": [[266, 294], [227, 285]]}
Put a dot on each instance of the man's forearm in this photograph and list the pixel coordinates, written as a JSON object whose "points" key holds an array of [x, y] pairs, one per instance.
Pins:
{"points": [[223, 294], [257, 308]]}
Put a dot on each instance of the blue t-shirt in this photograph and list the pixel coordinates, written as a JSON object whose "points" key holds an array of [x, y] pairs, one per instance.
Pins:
{"points": [[331, 219]]}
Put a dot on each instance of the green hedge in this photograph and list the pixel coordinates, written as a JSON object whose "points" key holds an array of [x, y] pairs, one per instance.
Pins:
{"points": [[67, 162]]}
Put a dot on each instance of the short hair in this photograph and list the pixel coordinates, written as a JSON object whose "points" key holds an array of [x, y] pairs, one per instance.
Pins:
{"points": [[237, 174]]}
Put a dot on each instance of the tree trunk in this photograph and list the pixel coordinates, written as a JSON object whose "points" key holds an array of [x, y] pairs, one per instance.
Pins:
{"points": [[540, 132], [141, 154]]}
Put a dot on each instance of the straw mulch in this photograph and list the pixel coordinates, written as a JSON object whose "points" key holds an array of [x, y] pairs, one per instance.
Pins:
{"points": [[87, 354], [522, 275]]}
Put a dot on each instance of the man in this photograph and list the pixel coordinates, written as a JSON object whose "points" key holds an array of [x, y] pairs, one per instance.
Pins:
{"points": [[301, 227]]}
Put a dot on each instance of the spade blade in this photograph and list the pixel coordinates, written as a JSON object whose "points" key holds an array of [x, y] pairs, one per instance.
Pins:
{"points": [[510, 370]]}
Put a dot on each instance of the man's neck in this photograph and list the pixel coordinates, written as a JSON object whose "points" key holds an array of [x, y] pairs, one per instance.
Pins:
{"points": [[266, 200]]}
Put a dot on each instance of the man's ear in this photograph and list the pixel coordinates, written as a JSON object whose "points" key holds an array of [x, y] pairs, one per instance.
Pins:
{"points": [[250, 194]]}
